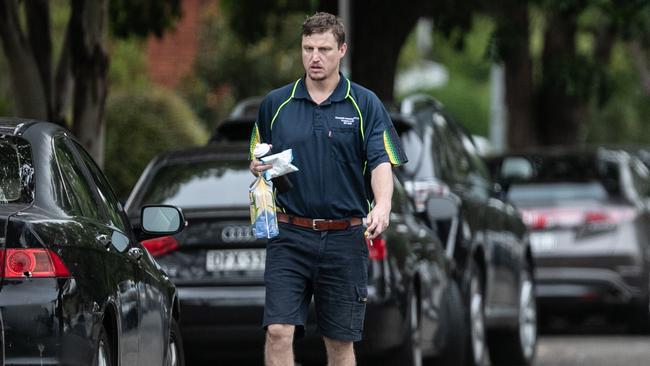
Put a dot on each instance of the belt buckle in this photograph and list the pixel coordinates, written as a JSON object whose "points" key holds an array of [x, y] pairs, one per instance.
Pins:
{"points": [[313, 224]]}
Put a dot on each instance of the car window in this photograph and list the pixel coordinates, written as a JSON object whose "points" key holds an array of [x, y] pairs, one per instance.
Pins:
{"points": [[200, 184], [104, 191], [640, 177], [417, 143], [479, 170], [579, 168], [16, 171], [556, 193], [455, 160], [79, 199]]}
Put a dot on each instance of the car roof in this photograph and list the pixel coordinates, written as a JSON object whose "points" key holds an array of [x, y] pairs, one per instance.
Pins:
{"points": [[15, 126], [596, 151], [221, 151], [233, 129]]}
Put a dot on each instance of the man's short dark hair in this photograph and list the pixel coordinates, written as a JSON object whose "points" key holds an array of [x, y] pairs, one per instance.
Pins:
{"points": [[322, 22]]}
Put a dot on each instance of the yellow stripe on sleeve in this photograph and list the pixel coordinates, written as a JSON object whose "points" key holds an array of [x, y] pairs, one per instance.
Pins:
{"points": [[389, 145], [255, 139]]}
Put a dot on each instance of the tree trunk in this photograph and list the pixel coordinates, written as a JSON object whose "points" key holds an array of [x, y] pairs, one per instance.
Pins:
{"points": [[37, 14], [27, 86], [378, 37], [63, 81], [640, 58], [513, 37], [561, 108], [90, 67]]}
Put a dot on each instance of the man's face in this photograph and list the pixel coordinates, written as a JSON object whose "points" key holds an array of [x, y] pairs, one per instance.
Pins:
{"points": [[321, 55]]}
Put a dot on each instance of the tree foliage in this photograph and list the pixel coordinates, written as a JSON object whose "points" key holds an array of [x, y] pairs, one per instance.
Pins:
{"points": [[71, 89], [141, 124], [230, 67], [557, 54]]}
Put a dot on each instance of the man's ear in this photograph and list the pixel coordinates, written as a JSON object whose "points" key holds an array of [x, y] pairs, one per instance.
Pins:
{"points": [[343, 49]]}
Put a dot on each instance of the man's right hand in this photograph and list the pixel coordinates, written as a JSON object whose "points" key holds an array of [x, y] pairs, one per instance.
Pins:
{"points": [[257, 167]]}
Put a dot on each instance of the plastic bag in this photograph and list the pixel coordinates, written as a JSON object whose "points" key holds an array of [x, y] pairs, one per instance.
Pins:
{"points": [[263, 212], [281, 164]]}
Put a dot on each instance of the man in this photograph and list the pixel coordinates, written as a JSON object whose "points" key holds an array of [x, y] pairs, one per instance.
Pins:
{"points": [[340, 134]]}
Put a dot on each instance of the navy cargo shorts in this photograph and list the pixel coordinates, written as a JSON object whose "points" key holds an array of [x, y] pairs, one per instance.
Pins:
{"points": [[331, 266]]}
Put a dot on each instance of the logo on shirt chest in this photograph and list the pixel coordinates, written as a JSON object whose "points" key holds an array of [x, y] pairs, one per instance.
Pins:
{"points": [[348, 121]]}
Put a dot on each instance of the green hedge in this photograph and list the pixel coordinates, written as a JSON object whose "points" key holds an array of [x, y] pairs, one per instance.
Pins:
{"points": [[141, 124]]}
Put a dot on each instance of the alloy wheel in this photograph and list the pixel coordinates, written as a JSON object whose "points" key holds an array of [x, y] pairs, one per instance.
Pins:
{"points": [[416, 346], [527, 316], [477, 319], [172, 360], [102, 354]]}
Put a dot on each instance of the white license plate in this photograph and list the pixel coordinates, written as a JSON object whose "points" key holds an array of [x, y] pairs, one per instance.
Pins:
{"points": [[235, 260], [543, 242]]}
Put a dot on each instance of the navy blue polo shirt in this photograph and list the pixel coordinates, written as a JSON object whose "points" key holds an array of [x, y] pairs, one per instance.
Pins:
{"points": [[336, 144]]}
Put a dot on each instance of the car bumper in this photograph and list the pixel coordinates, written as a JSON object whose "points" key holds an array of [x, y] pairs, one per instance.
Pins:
{"points": [[564, 287], [37, 331]]}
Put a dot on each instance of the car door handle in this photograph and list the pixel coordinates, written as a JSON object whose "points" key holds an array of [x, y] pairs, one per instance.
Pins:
{"points": [[136, 253], [104, 239]]}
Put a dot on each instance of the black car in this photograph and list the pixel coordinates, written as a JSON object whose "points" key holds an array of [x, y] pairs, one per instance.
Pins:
{"points": [[488, 240], [76, 287], [238, 125], [589, 213], [414, 308]]}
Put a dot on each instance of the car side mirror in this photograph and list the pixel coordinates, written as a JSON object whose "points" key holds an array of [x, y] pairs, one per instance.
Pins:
{"points": [[441, 208], [160, 220], [445, 208]]}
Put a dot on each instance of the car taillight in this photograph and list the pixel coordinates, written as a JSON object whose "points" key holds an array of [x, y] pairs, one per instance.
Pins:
{"points": [[160, 246], [376, 248], [576, 217], [20, 263], [535, 221], [596, 217], [596, 221]]}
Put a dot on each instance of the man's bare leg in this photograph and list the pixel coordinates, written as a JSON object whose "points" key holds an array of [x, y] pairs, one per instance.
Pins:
{"points": [[278, 350], [339, 353]]}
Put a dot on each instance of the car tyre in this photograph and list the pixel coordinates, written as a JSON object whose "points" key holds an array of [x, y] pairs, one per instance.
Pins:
{"points": [[103, 357], [454, 331], [517, 346], [409, 352], [476, 338], [175, 352], [639, 321]]}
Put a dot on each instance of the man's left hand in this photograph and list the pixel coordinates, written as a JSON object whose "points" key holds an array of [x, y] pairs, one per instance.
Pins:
{"points": [[377, 220]]}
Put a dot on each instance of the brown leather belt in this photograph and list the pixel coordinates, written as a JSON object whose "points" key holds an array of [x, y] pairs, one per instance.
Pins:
{"points": [[319, 224]]}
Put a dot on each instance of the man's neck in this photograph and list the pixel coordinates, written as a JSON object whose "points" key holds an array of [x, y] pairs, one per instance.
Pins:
{"points": [[320, 90]]}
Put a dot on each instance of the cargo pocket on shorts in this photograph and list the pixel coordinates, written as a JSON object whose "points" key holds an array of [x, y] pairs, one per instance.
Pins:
{"points": [[359, 308]]}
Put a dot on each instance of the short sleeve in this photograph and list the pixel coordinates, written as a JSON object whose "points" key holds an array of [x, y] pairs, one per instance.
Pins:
{"points": [[261, 128], [382, 144]]}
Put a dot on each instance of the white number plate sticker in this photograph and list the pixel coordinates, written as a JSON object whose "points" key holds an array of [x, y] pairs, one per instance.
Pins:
{"points": [[543, 242], [235, 260]]}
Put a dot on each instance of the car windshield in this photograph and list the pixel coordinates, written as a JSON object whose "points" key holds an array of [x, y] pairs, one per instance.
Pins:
{"points": [[15, 171], [559, 179], [556, 193], [204, 184]]}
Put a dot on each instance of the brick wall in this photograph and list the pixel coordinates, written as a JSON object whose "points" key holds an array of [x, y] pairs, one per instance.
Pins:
{"points": [[172, 57]]}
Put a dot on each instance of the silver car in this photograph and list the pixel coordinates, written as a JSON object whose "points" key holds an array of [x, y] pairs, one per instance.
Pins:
{"points": [[588, 211]]}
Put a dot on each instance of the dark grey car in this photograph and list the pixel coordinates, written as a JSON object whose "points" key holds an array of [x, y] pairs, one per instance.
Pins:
{"points": [[588, 212], [487, 241]]}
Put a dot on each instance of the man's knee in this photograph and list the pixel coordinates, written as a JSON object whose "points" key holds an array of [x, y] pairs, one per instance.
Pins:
{"points": [[280, 334], [336, 346]]}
